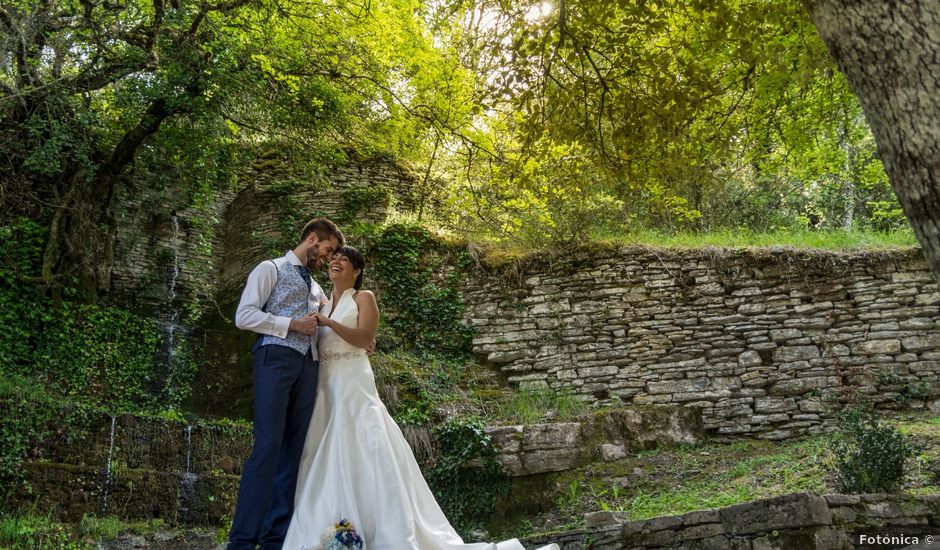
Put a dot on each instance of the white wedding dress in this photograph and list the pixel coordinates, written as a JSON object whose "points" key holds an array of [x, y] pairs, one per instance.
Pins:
{"points": [[357, 465]]}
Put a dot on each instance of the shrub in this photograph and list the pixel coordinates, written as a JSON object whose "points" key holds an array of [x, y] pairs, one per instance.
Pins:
{"points": [[870, 456], [467, 479]]}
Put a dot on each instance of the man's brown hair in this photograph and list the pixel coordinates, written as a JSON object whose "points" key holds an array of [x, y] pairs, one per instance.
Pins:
{"points": [[324, 229]]}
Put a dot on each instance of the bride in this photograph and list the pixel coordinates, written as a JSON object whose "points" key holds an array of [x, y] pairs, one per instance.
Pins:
{"points": [[356, 464]]}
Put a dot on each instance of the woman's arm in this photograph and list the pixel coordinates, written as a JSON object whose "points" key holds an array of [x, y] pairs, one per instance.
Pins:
{"points": [[363, 335]]}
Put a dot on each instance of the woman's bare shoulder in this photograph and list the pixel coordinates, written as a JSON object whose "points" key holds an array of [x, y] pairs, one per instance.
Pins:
{"points": [[367, 295]]}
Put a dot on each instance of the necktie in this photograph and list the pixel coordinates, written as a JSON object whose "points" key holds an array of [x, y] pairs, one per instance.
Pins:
{"points": [[305, 273]]}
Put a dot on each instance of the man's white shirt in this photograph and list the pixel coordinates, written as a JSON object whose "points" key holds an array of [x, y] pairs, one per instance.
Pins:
{"points": [[261, 281]]}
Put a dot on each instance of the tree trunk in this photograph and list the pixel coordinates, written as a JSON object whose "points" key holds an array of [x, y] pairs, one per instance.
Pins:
{"points": [[890, 52], [82, 232]]}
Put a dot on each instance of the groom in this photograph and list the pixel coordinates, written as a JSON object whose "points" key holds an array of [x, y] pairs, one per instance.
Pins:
{"points": [[280, 302]]}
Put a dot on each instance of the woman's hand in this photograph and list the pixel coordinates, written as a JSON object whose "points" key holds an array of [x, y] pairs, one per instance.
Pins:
{"points": [[324, 321]]}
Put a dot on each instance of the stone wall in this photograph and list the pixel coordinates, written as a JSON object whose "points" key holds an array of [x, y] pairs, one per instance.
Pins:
{"points": [[762, 342], [254, 221], [169, 252], [160, 229], [158, 262], [800, 520], [134, 468]]}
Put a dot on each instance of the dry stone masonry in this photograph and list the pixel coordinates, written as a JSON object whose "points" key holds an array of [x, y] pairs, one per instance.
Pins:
{"points": [[159, 229], [254, 218], [762, 342]]}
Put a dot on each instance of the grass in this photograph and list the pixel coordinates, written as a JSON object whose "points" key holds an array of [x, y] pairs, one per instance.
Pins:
{"points": [[418, 387], [28, 531], [503, 252], [711, 494], [24, 387], [425, 388], [532, 407], [827, 240], [105, 528], [41, 531], [920, 427], [726, 476]]}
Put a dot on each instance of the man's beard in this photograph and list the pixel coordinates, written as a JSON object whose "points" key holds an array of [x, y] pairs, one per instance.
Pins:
{"points": [[314, 261]]}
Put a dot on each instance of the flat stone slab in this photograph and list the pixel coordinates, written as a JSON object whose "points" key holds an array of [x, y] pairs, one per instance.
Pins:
{"points": [[785, 512]]}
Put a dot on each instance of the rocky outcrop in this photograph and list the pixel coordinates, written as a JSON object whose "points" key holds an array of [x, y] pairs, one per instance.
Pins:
{"points": [[605, 436]]}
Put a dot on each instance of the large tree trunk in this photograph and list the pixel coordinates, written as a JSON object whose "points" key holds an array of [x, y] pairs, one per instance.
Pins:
{"points": [[82, 231], [890, 52]]}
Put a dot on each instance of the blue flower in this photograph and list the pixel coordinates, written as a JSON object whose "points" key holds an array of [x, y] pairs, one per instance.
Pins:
{"points": [[345, 537]]}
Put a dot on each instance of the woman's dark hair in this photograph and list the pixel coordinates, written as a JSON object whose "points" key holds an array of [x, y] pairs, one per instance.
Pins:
{"points": [[357, 260]]}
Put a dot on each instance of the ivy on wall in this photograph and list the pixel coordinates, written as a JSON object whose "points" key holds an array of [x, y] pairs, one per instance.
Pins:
{"points": [[285, 174], [418, 278], [98, 355], [467, 479], [33, 421], [23, 305], [420, 303]]}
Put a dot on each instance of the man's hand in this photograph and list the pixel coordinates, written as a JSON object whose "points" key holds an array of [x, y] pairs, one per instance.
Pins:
{"points": [[370, 349], [305, 325]]}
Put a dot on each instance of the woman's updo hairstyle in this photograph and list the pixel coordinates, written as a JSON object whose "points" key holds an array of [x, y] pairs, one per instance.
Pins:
{"points": [[357, 260]]}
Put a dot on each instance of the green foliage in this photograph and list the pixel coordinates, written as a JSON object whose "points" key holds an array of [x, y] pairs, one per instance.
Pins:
{"points": [[870, 457], [27, 532], [666, 115], [33, 417], [16, 438], [99, 355], [104, 356], [24, 307], [545, 193], [695, 496], [467, 479], [101, 528], [423, 382], [830, 240], [886, 215], [187, 96], [672, 481], [110, 357], [421, 309]]}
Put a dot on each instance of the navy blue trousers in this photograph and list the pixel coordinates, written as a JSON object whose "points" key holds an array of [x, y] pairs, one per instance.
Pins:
{"points": [[285, 389]]}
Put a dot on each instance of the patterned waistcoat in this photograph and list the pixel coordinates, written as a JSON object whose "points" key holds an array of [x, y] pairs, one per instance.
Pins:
{"points": [[288, 299]]}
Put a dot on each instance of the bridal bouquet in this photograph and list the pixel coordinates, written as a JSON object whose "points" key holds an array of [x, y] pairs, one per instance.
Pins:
{"points": [[342, 537]]}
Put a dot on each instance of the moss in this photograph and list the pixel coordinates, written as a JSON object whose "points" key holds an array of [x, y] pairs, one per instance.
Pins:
{"points": [[222, 386], [528, 497], [70, 492]]}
